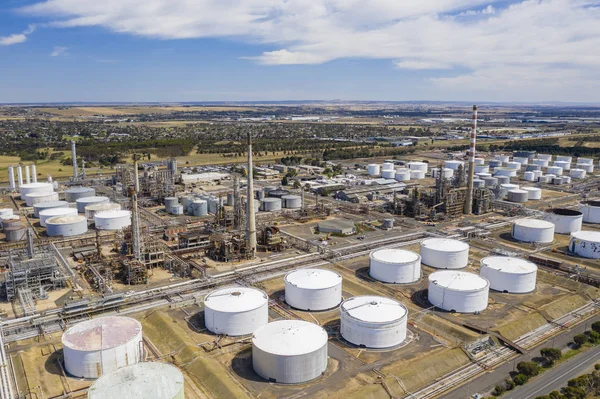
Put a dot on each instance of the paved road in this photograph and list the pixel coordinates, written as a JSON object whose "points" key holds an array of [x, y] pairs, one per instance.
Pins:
{"points": [[487, 381]]}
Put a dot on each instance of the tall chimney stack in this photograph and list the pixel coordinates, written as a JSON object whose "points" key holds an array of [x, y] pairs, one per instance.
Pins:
{"points": [[74, 158], [251, 225], [11, 178], [34, 173], [20, 175], [468, 209], [27, 175]]}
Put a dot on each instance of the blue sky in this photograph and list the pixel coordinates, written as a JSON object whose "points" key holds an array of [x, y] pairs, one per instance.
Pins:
{"points": [[228, 50]]}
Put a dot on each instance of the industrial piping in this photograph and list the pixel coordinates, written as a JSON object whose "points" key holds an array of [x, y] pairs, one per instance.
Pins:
{"points": [[468, 208], [74, 158], [251, 232]]}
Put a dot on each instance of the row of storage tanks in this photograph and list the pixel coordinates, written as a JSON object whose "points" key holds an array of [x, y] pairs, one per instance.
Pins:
{"points": [[412, 171]]}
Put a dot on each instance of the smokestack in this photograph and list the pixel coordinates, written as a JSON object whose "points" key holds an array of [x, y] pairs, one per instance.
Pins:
{"points": [[74, 158], [34, 173], [136, 175], [27, 175], [20, 175], [251, 225], [236, 202], [11, 178], [469, 199]]}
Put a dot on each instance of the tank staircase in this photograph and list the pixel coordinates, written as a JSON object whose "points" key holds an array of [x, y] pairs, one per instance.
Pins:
{"points": [[511, 344]]}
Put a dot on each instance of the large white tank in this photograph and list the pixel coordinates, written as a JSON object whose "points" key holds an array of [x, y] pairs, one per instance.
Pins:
{"points": [[555, 170], [563, 158], [37, 198], [533, 193], [313, 289], [585, 244], [112, 220], [563, 164], [373, 321], [502, 158], [91, 210], [402, 175], [457, 291], [236, 310], [479, 161], [25, 189], [373, 169], [533, 230], [85, 201], [148, 380], [444, 253], [52, 212], [37, 208], [541, 162], [271, 204], [292, 201], [494, 163], [521, 160], [590, 211], [566, 221], [505, 188], [547, 157], [392, 265], [505, 172], [454, 165], [66, 226], [577, 173], [482, 169], [422, 166], [585, 161], [509, 274], [98, 346], [588, 167], [446, 173], [388, 174], [517, 195], [387, 166], [513, 165], [417, 174], [289, 351], [74, 193]]}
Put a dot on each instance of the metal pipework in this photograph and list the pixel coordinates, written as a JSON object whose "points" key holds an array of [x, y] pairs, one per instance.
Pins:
{"points": [[251, 228], [468, 208], [34, 173], [74, 158]]}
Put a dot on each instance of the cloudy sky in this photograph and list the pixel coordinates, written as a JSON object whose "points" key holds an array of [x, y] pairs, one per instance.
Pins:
{"points": [[208, 50]]}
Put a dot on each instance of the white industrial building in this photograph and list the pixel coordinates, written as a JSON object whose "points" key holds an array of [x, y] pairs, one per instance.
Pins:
{"points": [[508, 274], [585, 244], [392, 265], [533, 230], [313, 289], [590, 211], [98, 346], [373, 321], [444, 253], [457, 291], [289, 351], [236, 310], [565, 221]]}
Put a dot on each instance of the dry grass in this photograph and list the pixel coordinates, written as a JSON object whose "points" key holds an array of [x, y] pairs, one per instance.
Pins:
{"points": [[129, 110]]}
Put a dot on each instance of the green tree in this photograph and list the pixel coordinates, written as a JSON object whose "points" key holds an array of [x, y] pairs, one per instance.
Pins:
{"points": [[530, 369], [510, 384], [551, 354], [594, 337], [580, 339], [498, 390], [520, 379], [596, 326], [284, 181]]}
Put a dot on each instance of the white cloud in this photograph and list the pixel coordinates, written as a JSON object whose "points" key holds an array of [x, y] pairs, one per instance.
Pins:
{"points": [[480, 38], [17, 38], [58, 51]]}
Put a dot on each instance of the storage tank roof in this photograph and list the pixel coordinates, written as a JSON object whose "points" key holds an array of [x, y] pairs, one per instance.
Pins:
{"points": [[79, 190], [271, 199], [288, 197], [374, 309], [289, 337], [534, 223], [65, 219], [509, 264], [35, 185], [38, 195], [531, 189], [236, 299], [458, 281], [51, 204], [93, 199], [393, 255], [445, 244], [101, 333], [114, 214], [102, 206], [58, 211], [313, 279], [141, 380], [587, 235]]}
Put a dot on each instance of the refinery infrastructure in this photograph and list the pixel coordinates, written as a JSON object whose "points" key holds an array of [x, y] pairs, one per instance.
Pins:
{"points": [[416, 276]]}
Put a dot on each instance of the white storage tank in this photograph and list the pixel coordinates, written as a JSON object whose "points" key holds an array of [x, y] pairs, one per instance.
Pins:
{"points": [[533, 230], [513, 165], [577, 173], [74, 193], [490, 181], [292, 201], [147, 380], [373, 322], [541, 162], [585, 161], [199, 207], [98, 346], [422, 166], [546, 157], [85, 201], [112, 220], [35, 188], [503, 158], [533, 193], [537, 174], [590, 211], [532, 167], [36, 198], [402, 175], [373, 169], [521, 160], [37, 208], [588, 167], [481, 175], [563, 164], [91, 210], [508, 274], [494, 163], [454, 165], [52, 212], [387, 166], [289, 351], [388, 174], [397, 266], [555, 170], [446, 173], [444, 253], [417, 174], [479, 161], [505, 188], [66, 226], [271, 204], [478, 183], [482, 169], [170, 203], [236, 311], [457, 291], [563, 158], [518, 195], [529, 176], [585, 244], [505, 172], [566, 221], [313, 289], [503, 179]]}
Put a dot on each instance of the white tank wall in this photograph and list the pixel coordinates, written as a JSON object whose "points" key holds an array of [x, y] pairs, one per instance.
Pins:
{"points": [[530, 230], [422, 166], [37, 208], [388, 174], [112, 220], [443, 253], [236, 311], [505, 277], [533, 193], [85, 201], [565, 224], [75, 227], [461, 301], [313, 289], [25, 189], [399, 268], [91, 210], [373, 170], [37, 198], [417, 174], [585, 244], [590, 211], [49, 213]]}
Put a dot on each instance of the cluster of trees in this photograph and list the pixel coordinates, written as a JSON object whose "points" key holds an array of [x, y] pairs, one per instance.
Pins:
{"points": [[594, 138], [584, 386]]}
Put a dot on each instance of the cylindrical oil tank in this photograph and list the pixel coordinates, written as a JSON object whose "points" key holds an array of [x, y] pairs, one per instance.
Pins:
{"points": [[148, 380], [555, 170], [35, 188], [52, 212], [529, 176], [563, 164], [541, 162], [566, 221], [171, 202], [524, 154], [505, 172], [457, 291], [508, 274], [37, 198], [543, 179], [490, 181], [446, 173], [112, 220], [577, 173], [236, 311], [567, 179], [518, 195], [417, 174], [177, 210], [260, 195], [478, 183], [402, 175], [388, 174], [373, 169], [482, 168], [85, 201], [546, 157], [533, 167], [14, 233], [313, 289], [505, 188], [533, 230], [373, 322], [494, 163], [513, 165], [502, 158], [66, 226], [454, 164], [213, 205], [199, 207], [74, 193], [585, 161], [557, 180], [422, 166], [392, 265], [585, 244], [37, 208], [186, 201], [533, 193], [479, 161], [271, 204], [563, 158], [444, 253], [550, 177], [521, 160], [481, 175], [537, 174], [230, 199], [588, 167], [292, 201], [387, 166], [502, 179], [590, 211], [289, 351], [91, 210], [101, 345], [388, 223], [278, 193]]}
